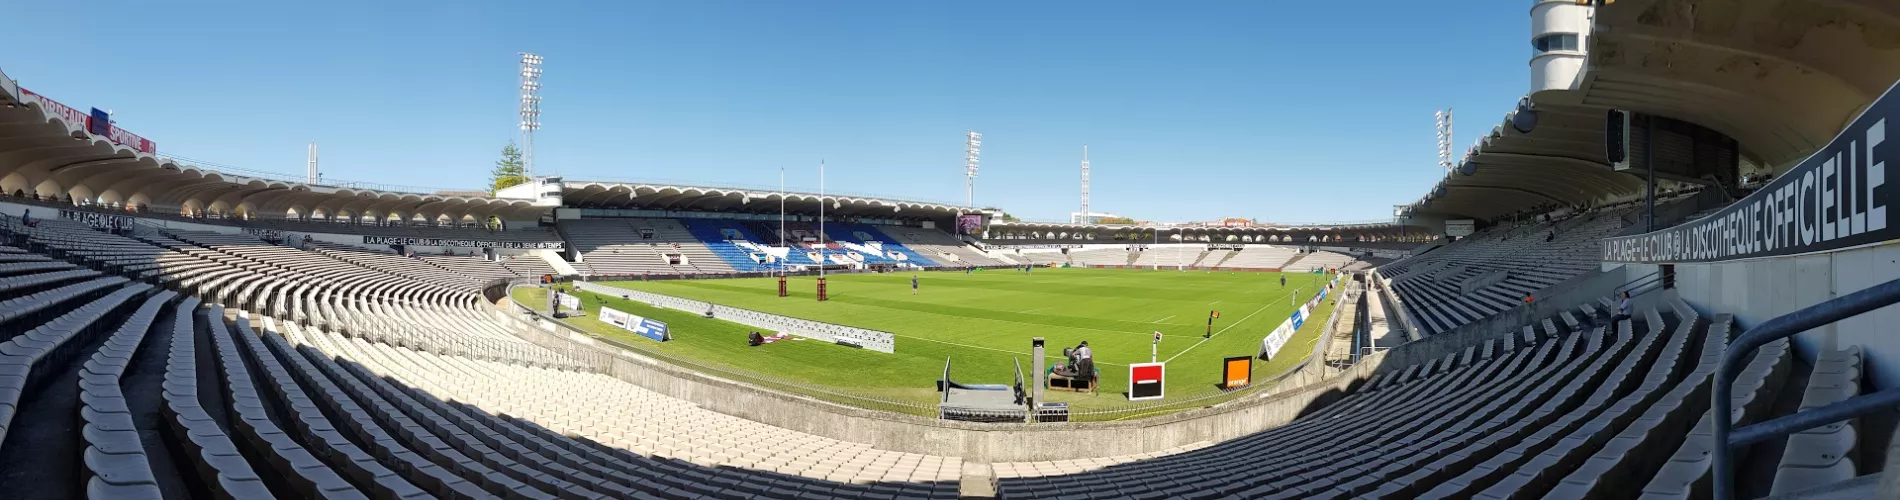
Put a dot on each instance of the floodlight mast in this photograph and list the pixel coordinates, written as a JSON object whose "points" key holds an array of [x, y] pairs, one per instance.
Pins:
{"points": [[1085, 186], [1444, 139], [530, 108], [972, 150]]}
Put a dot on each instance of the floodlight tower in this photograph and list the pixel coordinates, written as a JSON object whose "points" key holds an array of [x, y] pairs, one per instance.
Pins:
{"points": [[1444, 139], [530, 107], [310, 166], [1085, 184], [972, 149]]}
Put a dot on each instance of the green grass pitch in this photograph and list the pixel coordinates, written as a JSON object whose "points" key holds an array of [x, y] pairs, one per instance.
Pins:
{"points": [[983, 322]]}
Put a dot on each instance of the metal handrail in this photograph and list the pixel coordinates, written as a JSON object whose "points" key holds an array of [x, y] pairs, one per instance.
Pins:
{"points": [[1727, 437]]}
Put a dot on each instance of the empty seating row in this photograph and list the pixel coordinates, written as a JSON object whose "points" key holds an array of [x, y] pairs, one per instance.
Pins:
{"points": [[250, 412], [1579, 408]]}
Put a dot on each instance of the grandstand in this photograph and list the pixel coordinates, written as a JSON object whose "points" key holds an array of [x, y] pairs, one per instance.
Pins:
{"points": [[1478, 276], [1668, 320]]}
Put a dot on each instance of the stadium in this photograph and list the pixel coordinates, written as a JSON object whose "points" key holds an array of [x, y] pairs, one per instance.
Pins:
{"points": [[1684, 217]]}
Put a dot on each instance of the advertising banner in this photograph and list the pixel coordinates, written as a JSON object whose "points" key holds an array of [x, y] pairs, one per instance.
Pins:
{"points": [[641, 326], [1033, 246], [1271, 345], [456, 242], [265, 234], [1145, 381], [1274, 341], [1835, 199], [76, 117], [1236, 372], [97, 220]]}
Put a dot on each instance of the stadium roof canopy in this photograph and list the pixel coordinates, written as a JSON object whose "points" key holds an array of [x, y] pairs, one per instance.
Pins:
{"points": [[1561, 162], [46, 150], [668, 196], [1780, 77]]}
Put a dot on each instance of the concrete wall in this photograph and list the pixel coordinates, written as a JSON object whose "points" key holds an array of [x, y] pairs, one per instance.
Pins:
{"points": [[987, 442], [1760, 289]]}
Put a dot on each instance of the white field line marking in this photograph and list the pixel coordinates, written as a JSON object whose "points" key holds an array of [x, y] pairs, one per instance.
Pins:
{"points": [[1046, 356], [1170, 316], [1035, 324], [1224, 329]]}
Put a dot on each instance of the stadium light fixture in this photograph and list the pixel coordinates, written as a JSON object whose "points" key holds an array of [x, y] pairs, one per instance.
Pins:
{"points": [[530, 107], [972, 150], [1444, 139]]}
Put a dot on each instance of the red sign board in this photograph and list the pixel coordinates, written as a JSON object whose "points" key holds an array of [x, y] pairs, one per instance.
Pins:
{"points": [[76, 117], [1145, 380]]}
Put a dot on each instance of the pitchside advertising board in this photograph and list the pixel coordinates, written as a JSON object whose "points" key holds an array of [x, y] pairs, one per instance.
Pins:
{"points": [[1236, 372], [1145, 381], [1271, 345], [1835, 199], [649, 328]]}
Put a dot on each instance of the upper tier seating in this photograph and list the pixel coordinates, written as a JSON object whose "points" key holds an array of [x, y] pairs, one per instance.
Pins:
{"points": [[732, 242], [1477, 276], [1101, 257], [1319, 260], [528, 266], [639, 246], [939, 247], [1256, 257], [1168, 256]]}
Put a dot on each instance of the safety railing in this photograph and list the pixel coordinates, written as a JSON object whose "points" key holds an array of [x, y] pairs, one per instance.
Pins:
{"points": [[1728, 438]]}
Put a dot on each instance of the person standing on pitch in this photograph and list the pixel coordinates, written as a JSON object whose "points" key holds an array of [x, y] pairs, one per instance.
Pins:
{"points": [[1282, 282], [913, 284]]}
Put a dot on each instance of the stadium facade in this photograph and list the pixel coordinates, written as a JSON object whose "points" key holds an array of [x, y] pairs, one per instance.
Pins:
{"points": [[1670, 263]]}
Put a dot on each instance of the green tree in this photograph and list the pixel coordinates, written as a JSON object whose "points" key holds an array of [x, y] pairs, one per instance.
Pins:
{"points": [[1115, 220], [509, 170], [1009, 218]]}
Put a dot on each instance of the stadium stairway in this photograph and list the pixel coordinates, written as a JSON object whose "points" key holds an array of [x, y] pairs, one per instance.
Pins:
{"points": [[1290, 262]]}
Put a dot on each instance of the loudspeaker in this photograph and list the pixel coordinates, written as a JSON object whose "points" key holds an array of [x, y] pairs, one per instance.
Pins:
{"points": [[1524, 118], [1616, 139]]}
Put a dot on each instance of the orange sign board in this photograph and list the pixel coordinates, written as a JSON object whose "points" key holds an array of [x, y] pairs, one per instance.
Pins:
{"points": [[1237, 372]]}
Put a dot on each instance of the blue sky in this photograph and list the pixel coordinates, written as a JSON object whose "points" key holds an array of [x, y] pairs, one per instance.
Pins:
{"points": [[1271, 109]]}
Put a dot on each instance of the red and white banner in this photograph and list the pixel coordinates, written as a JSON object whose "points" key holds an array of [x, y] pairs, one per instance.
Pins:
{"points": [[63, 112], [76, 117], [122, 137]]}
